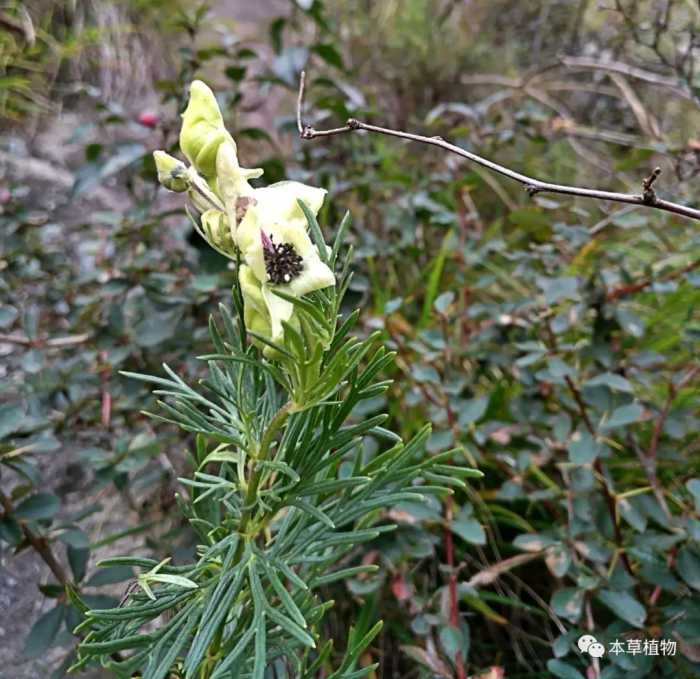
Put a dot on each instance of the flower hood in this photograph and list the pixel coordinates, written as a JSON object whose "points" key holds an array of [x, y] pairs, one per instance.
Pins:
{"points": [[266, 226]]}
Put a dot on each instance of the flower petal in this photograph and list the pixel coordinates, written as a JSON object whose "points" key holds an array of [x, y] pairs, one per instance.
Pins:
{"points": [[279, 201], [203, 129], [279, 233], [279, 310], [251, 289], [232, 182], [233, 179], [256, 322], [315, 276], [277, 204]]}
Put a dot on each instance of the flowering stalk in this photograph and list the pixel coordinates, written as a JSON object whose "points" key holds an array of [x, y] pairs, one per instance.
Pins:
{"points": [[282, 494]]}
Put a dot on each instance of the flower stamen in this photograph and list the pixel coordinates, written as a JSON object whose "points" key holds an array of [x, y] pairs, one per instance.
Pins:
{"points": [[282, 262]]}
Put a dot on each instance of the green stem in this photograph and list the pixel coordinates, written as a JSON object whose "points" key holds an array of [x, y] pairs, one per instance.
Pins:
{"points": [[276, 423]]}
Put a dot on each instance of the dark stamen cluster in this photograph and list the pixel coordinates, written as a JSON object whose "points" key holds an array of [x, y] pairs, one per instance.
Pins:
{"points": [[282, 262]]}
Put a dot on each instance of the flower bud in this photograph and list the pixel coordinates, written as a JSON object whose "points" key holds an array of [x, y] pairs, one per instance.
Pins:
{"points": [[216, 229], [203, 130], [172, 173]]}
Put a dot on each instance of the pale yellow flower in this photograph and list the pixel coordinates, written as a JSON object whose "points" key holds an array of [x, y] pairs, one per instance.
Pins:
{"points": [[203, 130], [282, 258], [172, 173], [270, 229], [266, 225]]}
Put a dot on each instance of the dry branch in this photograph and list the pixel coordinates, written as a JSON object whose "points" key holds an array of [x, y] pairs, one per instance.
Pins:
{"points": [[646, 198], [673, 84]]}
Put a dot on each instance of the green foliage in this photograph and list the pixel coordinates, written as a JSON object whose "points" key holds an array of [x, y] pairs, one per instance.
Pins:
{"points": [[583, 414], [281, 498], [41, 43], [495, 304], [549, 342]]}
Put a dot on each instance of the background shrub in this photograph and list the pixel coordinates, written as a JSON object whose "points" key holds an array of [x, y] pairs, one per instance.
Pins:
{"points": [[553, 340]]}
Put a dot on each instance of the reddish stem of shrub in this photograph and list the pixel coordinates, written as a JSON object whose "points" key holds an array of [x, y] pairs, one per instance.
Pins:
{"points": [[450, 553], [452, 585], [39, 543]]}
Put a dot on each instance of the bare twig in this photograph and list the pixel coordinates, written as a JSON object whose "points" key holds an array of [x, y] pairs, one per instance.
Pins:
{"points": [[597, 228], [51, 342], [646, 120], [638, 286], [532, 186], [22, 26], [605, 483], [673, 389], [106, 407], [673, 84], [300, 103], [452, 585]]}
